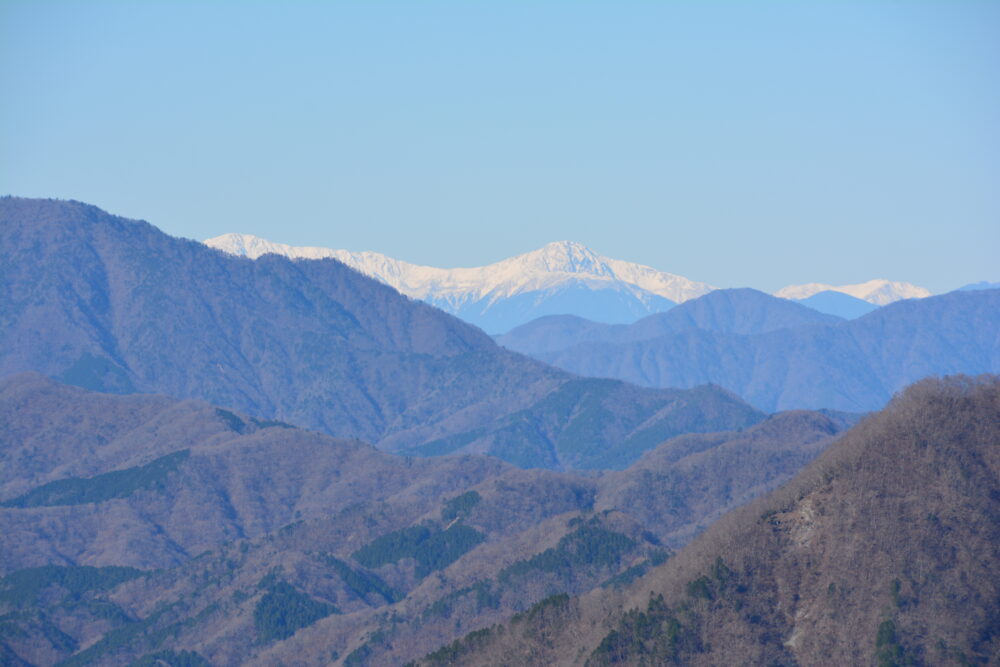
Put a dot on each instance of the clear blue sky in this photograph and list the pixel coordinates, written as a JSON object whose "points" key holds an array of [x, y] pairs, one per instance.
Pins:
{"points": [[736, 143]]}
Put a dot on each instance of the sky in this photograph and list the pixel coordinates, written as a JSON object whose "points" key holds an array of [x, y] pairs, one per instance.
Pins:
{"points": [[737, 143]]}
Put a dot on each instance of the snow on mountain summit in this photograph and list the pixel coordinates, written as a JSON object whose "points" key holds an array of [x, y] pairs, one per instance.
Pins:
{"points": [[551, 266], [562, 277], [879, 292]]}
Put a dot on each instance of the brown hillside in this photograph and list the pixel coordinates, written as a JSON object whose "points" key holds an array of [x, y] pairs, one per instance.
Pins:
{"points": [[134, 525], [883, 552]]}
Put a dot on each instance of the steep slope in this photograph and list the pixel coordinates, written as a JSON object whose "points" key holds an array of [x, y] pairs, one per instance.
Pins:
{"points": [[739, 311], [560, 278], [685, 484], [112, 304], [884, 551], [879, 292], [839, 304], [853, 366], [135, 525]]}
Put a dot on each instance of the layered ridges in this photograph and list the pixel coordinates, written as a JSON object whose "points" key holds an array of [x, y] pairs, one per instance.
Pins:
{"points": [[259, 542], [545, 268], [119, 306], [881, 552]]}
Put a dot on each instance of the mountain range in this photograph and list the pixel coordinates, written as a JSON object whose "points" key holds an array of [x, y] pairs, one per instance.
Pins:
{"points": [[112, 304], [879, 292], [779, 355], [142, 525], [882, 552], [558, 279], [187, 478], [146, 530]]}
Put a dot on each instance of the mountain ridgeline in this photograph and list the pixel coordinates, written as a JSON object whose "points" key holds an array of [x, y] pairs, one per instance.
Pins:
{"points": [[115, 305], [140, 526], [187, 480], [882, 552], [561, 277], [777, 354]]}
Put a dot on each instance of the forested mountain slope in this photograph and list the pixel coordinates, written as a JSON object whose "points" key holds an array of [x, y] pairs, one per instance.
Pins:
{"points": [[139, 524], [883, 551]]}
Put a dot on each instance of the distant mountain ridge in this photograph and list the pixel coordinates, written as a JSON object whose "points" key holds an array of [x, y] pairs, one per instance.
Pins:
{"points": [[838, 303], [539, 269], [116, 305], [879, 292], [981, 285], [767, 351], [213, 504], [741, 311], [560, 277]]}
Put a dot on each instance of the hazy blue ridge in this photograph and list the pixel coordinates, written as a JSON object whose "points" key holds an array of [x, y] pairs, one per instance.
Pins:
{"points": [[983, 284], [739, 311], [839, 304], [854, 366], [610, 305]]}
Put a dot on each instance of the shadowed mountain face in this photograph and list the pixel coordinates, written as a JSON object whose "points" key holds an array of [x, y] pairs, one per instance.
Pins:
{"points": [[853, 366], [137, 525], [882, 552], [115, 305]]}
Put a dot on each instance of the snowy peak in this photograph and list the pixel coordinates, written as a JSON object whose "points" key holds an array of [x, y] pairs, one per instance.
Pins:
{"points": [[551, 266], [374, 265], [567, 257], [879, 292], [563, 277]]}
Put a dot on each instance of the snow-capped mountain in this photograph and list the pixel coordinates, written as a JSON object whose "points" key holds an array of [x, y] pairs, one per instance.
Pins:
{"points": [[560, 278], [879, 292]]}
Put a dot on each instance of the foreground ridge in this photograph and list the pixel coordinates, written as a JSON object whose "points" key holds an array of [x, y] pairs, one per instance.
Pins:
{"points": [[883, 551]]}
